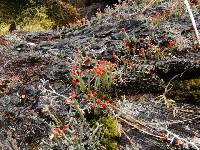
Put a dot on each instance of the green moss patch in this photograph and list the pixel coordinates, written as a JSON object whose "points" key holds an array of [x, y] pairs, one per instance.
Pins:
{"points": [[109, 132], [187, 90]]}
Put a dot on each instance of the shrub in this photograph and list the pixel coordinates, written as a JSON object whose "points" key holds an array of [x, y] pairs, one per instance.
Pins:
{"points": [[35, 19], [60, 11], [32, 16], [10, 10]]}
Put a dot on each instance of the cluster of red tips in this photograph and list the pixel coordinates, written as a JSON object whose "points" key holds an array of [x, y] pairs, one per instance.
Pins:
{"points": [[149, 45], [58, 132], [98, 100], [66, 101], [122, 30], [142, 51], [171, 43], [104, 105], [99, 104], [73, 95], [73, 81], [114, 55], [99, 70]]}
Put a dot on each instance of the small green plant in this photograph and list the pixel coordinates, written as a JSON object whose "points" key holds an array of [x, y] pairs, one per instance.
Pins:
{"points": [[75, 131], [98, 78], [91, 81]]}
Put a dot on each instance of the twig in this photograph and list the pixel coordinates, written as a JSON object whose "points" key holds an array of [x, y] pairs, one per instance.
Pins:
{"points": [[174, 136], [130, 120], [132, 144], [175, 122], [170, 136], [168, 88], [144, 9], [192, 19], [138, 128], [136, 124]]}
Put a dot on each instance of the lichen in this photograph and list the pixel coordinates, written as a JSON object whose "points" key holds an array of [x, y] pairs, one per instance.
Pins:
{"points": [[187, 90]]}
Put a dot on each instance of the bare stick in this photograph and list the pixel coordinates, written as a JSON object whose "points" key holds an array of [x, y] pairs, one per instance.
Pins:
{"points": [[144, 9], [132, 144], [192, 19]]}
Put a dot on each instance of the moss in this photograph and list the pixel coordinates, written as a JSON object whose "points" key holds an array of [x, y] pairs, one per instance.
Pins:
{"points": [[187, 90], [109, 132]]}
